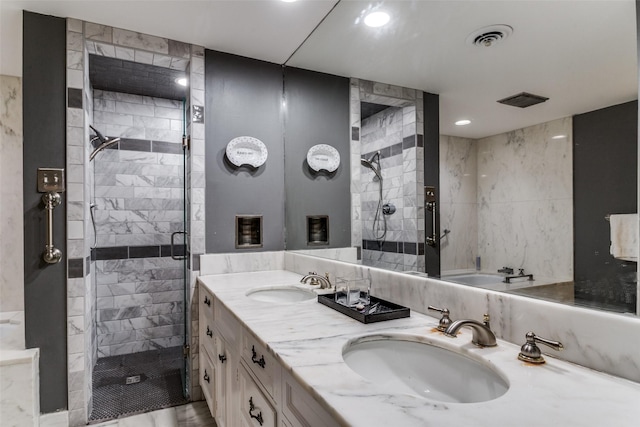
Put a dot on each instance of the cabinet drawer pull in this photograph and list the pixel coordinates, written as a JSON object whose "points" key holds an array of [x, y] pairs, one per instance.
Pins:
{"points": [[252, 408], [209, 332], [206, 376], [222, 357], [207, 301], [254, 358]]}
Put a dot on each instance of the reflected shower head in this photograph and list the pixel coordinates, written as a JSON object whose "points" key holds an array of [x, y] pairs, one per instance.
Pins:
{"points": [[370, 164]]}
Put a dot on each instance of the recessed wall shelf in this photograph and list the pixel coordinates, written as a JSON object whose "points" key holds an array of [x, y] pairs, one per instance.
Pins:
{"points": [[317, 230], [248, 231]]}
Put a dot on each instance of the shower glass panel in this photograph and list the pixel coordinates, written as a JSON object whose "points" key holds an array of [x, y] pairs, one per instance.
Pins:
{"points": [[139, 211]]}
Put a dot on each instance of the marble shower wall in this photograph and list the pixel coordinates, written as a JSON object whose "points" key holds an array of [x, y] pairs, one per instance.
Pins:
{"points": [[139, 203], [11, 222], [397, 133], [458, 203], [524, 201]]}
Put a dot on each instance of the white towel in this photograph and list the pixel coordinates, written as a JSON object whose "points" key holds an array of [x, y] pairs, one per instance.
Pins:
{"points": [[624, 236]]}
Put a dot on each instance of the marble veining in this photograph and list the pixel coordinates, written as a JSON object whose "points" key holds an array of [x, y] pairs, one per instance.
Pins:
{"points": [[588, 397], [11, 216]]}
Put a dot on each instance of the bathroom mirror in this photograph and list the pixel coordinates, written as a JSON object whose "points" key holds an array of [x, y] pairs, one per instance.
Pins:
{"points": [[438, 46]]}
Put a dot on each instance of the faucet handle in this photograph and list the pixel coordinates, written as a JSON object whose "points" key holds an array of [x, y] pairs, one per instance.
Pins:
{"points": [[521, 271], [530, 352], [445, 321]]}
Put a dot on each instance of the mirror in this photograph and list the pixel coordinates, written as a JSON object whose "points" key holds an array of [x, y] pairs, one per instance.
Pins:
{"points": [[579, 75]]}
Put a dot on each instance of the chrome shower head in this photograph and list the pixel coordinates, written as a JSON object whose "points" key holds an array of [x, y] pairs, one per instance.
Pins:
{"points": [[98, 135], [105, 144], [375, 167]]}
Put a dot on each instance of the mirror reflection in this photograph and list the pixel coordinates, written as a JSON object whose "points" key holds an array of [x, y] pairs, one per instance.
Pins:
{"points": [[524, 192]]}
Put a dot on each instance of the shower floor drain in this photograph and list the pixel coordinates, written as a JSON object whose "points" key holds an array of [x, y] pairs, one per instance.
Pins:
{"points": [[132, 380]]}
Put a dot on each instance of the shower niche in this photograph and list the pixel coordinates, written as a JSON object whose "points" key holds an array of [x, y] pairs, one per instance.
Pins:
{"points": [[317, 230]]}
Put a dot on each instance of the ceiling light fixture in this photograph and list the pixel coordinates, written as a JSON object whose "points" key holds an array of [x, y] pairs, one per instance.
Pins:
{"points": [[463, 122], [182, 81], [558, 136], [377, 19], [288, 1]]}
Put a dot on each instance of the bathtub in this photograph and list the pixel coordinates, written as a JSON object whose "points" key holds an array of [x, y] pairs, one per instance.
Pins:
{"points": [[19, 375]]}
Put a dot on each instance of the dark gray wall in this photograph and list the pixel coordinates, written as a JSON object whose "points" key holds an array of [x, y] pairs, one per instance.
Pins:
{"points": [[44, 109], [605, 169], [243, 98], [316, 112], [432, 176]]}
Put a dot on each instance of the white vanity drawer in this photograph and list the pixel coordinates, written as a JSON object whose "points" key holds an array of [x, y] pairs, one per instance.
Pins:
{"points": [[261, 363], [207, 379], [206, 304], [254, 408], [227, 325], [300, 408]]}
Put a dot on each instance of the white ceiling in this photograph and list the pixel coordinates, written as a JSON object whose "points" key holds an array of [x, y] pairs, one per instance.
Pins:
{"points": [[580, 54]]}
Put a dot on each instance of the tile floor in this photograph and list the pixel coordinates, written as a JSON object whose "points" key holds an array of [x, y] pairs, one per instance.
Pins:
{"points": [[195, 414]]}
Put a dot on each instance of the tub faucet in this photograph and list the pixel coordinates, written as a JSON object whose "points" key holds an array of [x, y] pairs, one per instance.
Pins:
{"points": [[506, 270], [315, 280], [482, 335]]}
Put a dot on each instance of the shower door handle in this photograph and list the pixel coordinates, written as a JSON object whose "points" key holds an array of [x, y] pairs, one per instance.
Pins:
{"points": [[173, 236]]}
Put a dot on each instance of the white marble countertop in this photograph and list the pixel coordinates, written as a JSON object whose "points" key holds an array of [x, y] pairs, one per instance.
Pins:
{"points": [[308, 338]]}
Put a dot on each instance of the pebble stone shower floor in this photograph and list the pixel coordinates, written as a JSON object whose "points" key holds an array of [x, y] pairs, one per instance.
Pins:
{"points": [[160, 384]]}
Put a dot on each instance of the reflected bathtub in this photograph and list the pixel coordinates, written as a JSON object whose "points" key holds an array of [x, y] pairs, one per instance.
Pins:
{"points": [[475, 279]]}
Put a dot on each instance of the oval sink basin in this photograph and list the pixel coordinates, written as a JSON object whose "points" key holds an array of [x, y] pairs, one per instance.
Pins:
{"points": [[411, 367], [281, 294]]}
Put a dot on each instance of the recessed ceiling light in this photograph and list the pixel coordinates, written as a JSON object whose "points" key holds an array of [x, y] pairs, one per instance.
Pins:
{"points": [[558, 136], [377, 19], [182, 81], [463, 122]]}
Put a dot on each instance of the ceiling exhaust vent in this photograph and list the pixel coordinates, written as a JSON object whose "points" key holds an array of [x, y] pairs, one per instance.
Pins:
{"points": [[523, 100], [489, 36]]}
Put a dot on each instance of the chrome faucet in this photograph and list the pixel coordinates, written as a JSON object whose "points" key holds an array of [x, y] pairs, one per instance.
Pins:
{"points": [[316, 280], [482, 335]]}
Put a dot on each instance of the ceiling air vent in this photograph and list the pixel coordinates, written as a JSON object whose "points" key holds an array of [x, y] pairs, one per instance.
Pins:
{"points": [[489, 36], [523, 100]]}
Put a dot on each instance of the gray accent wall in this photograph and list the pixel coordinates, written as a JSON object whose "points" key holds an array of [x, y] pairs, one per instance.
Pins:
{"points": [[432, 176], [243, 97], [316, 112], [44, 64], [605, 155]]}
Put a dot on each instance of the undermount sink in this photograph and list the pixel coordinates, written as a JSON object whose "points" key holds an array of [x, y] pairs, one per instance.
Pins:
{"points": [[403, 364], [281, 294]]}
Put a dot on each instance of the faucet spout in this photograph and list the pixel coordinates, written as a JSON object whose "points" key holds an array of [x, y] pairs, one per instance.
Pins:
{"points": [[316, 280], [482, 334]]}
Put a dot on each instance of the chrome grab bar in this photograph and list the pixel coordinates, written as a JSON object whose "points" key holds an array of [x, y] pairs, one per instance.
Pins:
{"points": [[51, 254], [430, 205]]}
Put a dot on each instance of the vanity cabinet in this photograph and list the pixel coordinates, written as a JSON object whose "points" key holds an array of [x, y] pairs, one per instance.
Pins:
{"points": [[245, 385]]}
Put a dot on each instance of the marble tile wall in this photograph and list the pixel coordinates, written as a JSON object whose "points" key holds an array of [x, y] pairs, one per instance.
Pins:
{"points": [[84, 38], [525, 195], [11, 222], [397, 133], [508, 198], [458, 203], [138, 197]]}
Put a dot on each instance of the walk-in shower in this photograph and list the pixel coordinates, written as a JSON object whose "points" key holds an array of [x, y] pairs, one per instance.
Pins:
{"points": [[379, 228], [136, 175]]}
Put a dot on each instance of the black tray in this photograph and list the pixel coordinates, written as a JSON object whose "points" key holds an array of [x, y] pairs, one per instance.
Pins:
{"points": [[386, 311]]}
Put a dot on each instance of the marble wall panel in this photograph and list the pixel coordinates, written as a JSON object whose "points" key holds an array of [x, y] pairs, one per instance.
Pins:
{"points": [[11, 221]]}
